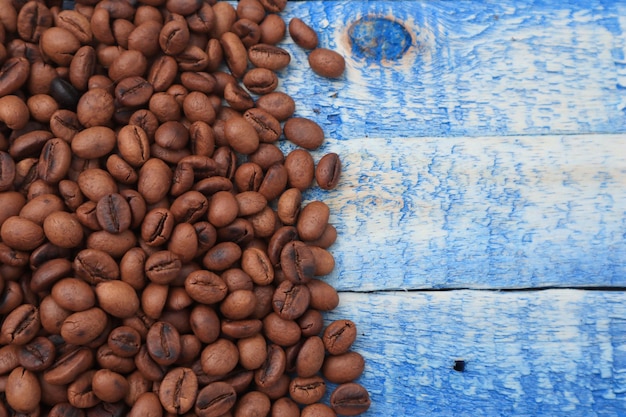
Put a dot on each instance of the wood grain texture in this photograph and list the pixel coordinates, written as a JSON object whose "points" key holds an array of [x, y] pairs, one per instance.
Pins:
{"points": [[472, 69], [546, 353], [494, 212], [479, 158]]}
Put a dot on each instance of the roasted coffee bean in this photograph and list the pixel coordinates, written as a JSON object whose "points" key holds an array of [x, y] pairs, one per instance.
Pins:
{"points": [[178, 390], [65, 410], [21, 325], [219, 358], [317, 410], [327, 63], [162, 267], [49, 273], [124, 341], [83, 327], [13, 74], [280, 331], [68, 366], [307, 390], [343, 368], [109, 386], [37, 355], [350, 399], [146, 404], [107, 359], [300, 169], [339, 336], [80, 392], [215, 399], [273, 29], [76, 23], [323, 296], [95, 266], [63, 229], [290, 300], [157, 226], [297, 262], [95, 107], [174, 35], [117, 298], [73, 294], [163, 343], [113, 213], [302, 34], [23, 391], [133, 91], [278, 104], [269, 56], [65, 94], [304, 132]]}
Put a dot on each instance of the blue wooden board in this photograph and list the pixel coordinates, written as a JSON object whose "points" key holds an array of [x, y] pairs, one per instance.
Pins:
{"points": [[483, 148], [487, 155], [547, 353]]}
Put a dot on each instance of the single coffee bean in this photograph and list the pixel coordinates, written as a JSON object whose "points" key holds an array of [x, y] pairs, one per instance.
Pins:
{"points": [[290, 300], [37, 355], [222, 256], [215, 399], [250, 202], [162, 267], [280, 331], [274, 181], [178, 390], [23, 391], [69, 365], [49, 273], [64, 124], [95, 183], [95, 266], [253, 402], [269, 56], [117, 298], [13, 74], [304, 132], [323, 296], [113, 213], [350, 399], [76, 23], [313, 220], [94, 142], [124, 341], [21, 325], [307, 390], [107, 359], [310, 357], [155, 180], [202, 19], [328, 171], [302, 34], [238, 305], [95, 107], [146, 404], [157, 226], [343, 368], [297, 262], [205, 287], [339, 336], [327, 63], [65, 94], [83, 327], [145, 37], [278, 104], [260, 80], [133, 91], [80, 392], [234, 53], [189, 207], [174, 35], [63, 229], [73, 294], [127, 64], [7, 171], [267, 126], [163, 343], [21, 234], [300, 169], [223, 209], [241, 135], [219, 357], [109, 386]]}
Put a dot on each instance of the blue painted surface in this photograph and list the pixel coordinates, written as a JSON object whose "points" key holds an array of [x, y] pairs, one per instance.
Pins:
{"points": [[488, 155], [473, 69], [547, 353]]}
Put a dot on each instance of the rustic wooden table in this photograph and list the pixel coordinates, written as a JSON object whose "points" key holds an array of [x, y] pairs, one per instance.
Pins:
{"points": [[482, 208]]}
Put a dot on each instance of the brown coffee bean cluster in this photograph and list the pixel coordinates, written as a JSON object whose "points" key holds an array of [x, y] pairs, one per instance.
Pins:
{"points": [[156, 256]]}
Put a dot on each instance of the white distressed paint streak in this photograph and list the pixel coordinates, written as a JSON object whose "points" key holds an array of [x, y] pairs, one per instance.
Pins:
{"points": [[526, 353], [494, 212]]}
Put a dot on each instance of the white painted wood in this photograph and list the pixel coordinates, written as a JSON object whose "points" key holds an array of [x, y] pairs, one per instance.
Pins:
{"points": [[546, 353]]}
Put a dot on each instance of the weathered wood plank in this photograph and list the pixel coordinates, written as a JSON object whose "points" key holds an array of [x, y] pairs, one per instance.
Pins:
{"points": [[472, 68], [547, 353], [495, 212]]}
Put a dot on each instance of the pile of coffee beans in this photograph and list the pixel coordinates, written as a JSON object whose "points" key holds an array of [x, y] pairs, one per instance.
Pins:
{"points": [[157, 256]]}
